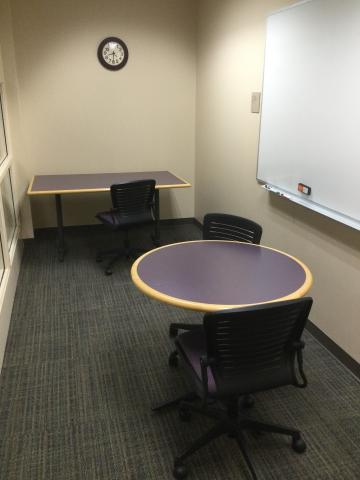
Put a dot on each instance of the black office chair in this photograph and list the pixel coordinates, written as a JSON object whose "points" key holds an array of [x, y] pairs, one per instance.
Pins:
{"points": [[220, 226], [240, 352], [133, 204]]}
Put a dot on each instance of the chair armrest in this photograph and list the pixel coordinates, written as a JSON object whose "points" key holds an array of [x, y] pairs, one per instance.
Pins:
{"points": [[205, 362], [299, 347]]}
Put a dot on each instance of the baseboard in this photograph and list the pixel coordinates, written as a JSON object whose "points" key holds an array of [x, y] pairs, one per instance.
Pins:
{"points": [[197, 223], [97, 226], [178, 221], [333, 348]]}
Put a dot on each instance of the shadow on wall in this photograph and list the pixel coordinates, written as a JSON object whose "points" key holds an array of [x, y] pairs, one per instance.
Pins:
{"points": [[328, 229]]}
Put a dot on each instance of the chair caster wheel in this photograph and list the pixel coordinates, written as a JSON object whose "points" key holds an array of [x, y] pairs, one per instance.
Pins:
{"points": [[180, 471], [298, 445], [173, 331], [247, 401], [108, 272], [99, 258], [185, 414], [173, 359]]}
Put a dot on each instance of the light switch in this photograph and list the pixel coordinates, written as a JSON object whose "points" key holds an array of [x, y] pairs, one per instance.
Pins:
{"points": [[255, 102]]}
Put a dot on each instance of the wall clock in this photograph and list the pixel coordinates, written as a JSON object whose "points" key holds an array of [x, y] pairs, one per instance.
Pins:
{"points": [[113, 53]]}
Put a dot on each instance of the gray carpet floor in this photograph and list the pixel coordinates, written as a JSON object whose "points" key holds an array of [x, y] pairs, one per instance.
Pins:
{"points": [[87, 358]]}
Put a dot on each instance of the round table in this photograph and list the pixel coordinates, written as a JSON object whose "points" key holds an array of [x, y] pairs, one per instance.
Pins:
{"points": [[211, 275]]}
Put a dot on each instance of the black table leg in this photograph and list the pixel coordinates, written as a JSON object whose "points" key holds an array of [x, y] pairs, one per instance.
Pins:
{"points": [[60, 229], [157, 219]]}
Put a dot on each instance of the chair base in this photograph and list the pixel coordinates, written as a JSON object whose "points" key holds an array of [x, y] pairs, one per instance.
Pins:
{"points": [[117, 254], [230, 422]]}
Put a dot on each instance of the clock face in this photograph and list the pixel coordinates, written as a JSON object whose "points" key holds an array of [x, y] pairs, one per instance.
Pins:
{"points": [[113, 53]]}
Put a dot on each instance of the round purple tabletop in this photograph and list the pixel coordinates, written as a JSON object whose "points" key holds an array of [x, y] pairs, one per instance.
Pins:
{"points": [[209, 275]]}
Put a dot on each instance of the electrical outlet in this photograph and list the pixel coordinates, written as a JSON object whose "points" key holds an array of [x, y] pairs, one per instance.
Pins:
{"points": [[255, 102]]}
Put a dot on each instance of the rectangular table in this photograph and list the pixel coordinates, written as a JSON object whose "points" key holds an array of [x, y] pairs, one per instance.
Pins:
{"points": [[97, 182]]}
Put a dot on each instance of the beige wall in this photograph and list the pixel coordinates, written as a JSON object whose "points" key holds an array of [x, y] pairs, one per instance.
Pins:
{"points": [[78, 117], [230, 66]]}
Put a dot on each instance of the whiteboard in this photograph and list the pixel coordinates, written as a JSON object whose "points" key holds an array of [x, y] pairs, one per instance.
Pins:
{"points": [[310, 114]]}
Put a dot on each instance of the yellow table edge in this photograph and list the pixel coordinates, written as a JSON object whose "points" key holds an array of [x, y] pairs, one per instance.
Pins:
{"points": [[97, 190], [209, 307]]}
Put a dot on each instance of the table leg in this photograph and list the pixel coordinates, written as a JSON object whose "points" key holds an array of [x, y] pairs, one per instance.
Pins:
{"points": [[157, 219], [60, 229]]}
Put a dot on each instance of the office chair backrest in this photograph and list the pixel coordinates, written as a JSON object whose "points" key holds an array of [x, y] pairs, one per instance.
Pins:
{"points": [[254, 348], [221, 226], [133, 198]]}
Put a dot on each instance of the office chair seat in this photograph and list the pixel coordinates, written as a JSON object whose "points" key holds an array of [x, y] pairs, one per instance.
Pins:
{"points": [[192, 346], [114, 220]]}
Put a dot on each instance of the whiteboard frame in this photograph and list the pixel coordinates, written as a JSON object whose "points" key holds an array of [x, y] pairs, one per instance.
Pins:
{"points": [[328, 212]]}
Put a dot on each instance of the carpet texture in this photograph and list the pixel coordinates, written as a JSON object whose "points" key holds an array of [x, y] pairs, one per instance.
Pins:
{"points": [[87, 358]]}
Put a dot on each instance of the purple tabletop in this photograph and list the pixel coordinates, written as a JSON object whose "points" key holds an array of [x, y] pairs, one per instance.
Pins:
{"points": [[96, 182], [209, 275]]}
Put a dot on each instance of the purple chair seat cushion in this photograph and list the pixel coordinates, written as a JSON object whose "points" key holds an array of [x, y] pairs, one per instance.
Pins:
{"points": [[115, 220], [191, 346]]}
